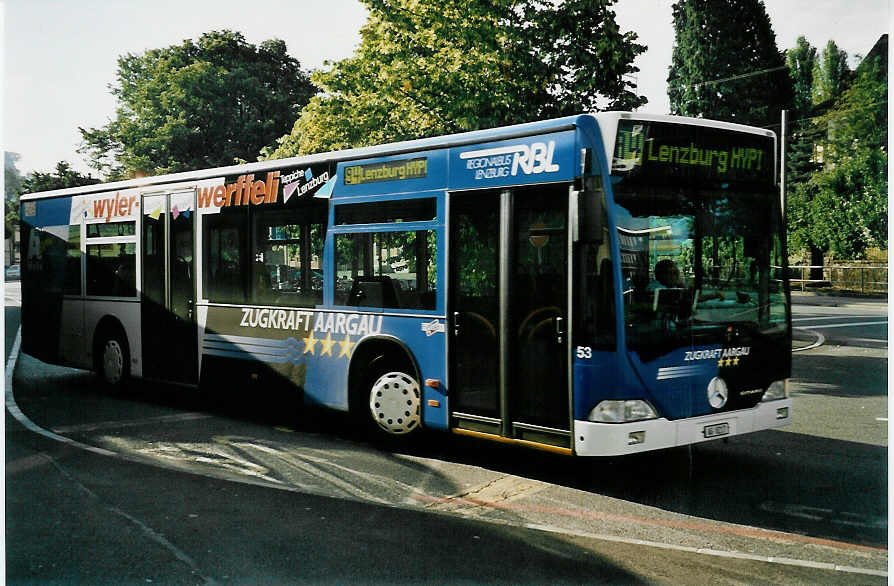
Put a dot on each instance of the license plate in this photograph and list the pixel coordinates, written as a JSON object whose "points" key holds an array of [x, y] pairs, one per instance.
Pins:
{"points": [[716, 430]]}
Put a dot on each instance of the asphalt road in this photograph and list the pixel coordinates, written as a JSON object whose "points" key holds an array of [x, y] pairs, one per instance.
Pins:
{"points": [[155, 486], [844, 321]]}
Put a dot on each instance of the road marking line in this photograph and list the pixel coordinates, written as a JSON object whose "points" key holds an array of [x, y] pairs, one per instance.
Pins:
{"points": [[820, 339], [881, 418], [148, 531], [14, 410], [830, 317], [862, 323], [736, 530], [701, 550]]}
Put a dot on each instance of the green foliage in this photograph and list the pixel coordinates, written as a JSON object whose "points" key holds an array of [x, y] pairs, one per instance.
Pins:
{"points": [[63, 178], [843, 208], [802, 133], [725, 63], [197, 104], [801, 61], [12, 181], [830, 74], [425, 68], [34, 182]]}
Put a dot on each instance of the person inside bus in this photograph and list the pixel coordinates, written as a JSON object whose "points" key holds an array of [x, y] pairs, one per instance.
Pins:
{"points": [[667, 276]]}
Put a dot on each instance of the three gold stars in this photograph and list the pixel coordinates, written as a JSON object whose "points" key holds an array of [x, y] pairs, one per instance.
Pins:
{"points": [[346, 346], [728, 361]]}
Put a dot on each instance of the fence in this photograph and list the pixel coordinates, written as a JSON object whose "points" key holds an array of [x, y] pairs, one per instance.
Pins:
{"points": [[860, 279]]}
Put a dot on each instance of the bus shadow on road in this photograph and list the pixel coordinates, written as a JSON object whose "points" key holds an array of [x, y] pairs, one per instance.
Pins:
{"points": [[774, 480], [322, 455]]}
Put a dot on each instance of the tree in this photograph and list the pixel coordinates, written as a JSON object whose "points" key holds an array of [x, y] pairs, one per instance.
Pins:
{"points": [[197, 104], [799, 161], [725, 64], [63, 178], [800, 158], [844, 207], [800, 62], [12, 183], [830, 74], [425, 68]]}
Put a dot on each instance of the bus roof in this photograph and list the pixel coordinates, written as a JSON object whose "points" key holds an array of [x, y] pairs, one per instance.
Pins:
{"points": [[423, 144], [396, 148]]}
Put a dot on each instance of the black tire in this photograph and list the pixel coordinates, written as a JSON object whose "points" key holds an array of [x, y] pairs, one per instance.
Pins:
{"points": [[112, 359]]}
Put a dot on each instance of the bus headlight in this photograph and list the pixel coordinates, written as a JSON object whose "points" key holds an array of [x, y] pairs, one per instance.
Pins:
{"points": [[778, 389], [622, 411]]}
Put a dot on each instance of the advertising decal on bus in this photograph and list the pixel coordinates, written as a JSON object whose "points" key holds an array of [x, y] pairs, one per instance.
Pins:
{"points": [[548, 157], [105, 207], [250, 189]]}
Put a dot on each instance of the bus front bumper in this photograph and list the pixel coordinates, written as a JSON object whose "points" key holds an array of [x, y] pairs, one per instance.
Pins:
{"points": [[617, 439]]}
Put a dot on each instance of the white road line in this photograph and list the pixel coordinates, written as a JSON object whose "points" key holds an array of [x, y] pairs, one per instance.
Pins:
{"points": [[820, 340], [698, 550], [14, 410], [830, 317], [862, 323]]}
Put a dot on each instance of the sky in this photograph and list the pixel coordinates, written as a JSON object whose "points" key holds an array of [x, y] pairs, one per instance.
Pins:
{"points": [[61, 55]]}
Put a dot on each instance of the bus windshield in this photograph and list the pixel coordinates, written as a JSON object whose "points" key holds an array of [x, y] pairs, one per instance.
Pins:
{"points": [[698, 254]]}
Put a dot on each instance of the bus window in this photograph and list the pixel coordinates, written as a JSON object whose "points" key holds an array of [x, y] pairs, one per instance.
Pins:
{"points": [[72, 285], [111, 229], [288, 258], [386, 269], [224, 257], [111, 269]]}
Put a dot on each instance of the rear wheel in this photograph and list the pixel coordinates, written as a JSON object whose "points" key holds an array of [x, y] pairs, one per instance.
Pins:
{"points": [[113, 360]]}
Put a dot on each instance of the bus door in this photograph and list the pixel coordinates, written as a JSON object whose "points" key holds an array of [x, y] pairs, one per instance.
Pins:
{"points": [[170, 349], [509, 313]]}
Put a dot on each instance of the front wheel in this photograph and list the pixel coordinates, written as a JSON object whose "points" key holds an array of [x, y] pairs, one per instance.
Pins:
{"points": [[395, 403]]}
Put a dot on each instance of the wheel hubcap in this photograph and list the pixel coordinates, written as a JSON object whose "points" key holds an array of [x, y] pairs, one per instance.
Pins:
{"points": [[113, 361], [395, 403]]}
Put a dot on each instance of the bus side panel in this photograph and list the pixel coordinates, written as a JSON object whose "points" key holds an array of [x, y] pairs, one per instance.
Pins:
{"points": [[311, 350], [73, 347], [126, 313], [44, 237], [41, 298]]}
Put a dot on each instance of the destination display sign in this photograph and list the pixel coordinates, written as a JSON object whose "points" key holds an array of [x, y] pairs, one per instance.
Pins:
{"points": [[661, 152], [386, 171]]}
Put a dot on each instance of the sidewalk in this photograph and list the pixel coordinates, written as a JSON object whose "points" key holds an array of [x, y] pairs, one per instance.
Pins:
{"points": [[822, 300]]}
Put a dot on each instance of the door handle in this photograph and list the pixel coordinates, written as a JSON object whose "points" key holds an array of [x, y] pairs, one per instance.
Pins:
{"points": [[455, 323], [560, 329]]}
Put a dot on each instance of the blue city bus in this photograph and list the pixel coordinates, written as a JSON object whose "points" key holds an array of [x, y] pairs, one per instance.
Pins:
{"points": [[596, 285]]}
